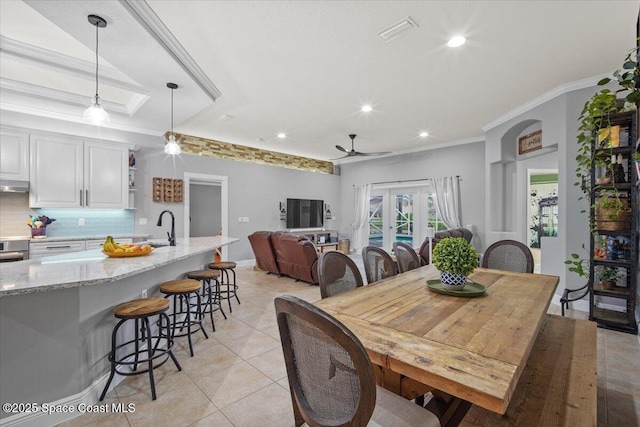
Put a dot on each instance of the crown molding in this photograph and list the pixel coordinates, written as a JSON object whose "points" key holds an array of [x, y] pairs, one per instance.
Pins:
{"points": [[59, 96], [143, 13], [449, 144], [73, 118], [545, 97], [25, 52]]}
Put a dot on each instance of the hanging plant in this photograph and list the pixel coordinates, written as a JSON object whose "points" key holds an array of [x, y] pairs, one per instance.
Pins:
{"points": [[595, 116]]}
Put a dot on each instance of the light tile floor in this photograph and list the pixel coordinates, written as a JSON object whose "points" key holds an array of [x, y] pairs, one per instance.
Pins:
{"points": [[238, 378]]}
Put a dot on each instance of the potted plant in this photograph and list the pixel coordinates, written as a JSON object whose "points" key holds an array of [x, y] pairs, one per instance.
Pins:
{"points": [[608, 277], [456, 259], [612, 213]]}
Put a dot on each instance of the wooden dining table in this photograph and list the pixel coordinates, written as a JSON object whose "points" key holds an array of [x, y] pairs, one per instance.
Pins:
{"points": [[471, 349]]}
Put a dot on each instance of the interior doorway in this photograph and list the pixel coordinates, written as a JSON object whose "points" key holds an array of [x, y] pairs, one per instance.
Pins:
{"points": [[542, 208], [206, 206]]}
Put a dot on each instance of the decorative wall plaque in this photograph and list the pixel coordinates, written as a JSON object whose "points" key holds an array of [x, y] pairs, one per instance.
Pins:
{"points": [[530, 142]]}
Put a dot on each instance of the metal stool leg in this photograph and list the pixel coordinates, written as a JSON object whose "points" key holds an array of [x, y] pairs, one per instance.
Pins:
{"points": [[150, 353], [112, 359], [219, 298]]}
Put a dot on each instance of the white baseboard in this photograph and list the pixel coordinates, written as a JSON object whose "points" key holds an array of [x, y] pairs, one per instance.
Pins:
{"points": [[246, 263], [87, 397], [580, 305]]}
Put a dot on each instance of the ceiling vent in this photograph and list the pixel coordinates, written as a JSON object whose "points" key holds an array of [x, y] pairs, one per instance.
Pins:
{"points": [[397, 29]]}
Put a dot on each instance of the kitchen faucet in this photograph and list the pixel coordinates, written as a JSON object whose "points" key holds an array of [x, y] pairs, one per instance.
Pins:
{"points": [[172, 236]]}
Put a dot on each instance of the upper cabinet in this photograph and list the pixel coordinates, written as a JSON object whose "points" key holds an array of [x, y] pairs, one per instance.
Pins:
{"points": [[14, 155], [70, 173]]}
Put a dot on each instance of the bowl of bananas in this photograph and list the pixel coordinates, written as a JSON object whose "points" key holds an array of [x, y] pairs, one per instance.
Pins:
{"points": [[123, 250]]}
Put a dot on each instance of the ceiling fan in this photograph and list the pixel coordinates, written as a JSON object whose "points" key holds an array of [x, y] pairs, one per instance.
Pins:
{"points": [[354, 153]]}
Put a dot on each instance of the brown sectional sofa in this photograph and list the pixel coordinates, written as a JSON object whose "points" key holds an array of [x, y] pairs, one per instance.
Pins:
{"points": [[454, 232], [285, 254]]}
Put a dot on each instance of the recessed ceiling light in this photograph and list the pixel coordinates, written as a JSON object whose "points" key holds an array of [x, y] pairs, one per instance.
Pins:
{"points": [[424, 134], [225, 117], [366, 108], [456, 41], [282, 135]]}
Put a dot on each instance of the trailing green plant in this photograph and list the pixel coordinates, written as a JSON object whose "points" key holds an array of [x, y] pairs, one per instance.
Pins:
{"points": [[608, 274], [595, 116], [455, 255]]}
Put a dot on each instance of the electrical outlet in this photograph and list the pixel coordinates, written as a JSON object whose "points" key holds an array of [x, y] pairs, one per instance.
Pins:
{"points": [[144, 293], [81, 222], [239, 219], [142, 221]]}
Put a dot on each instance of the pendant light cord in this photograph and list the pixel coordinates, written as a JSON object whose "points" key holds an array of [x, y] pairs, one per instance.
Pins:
{"points": [[97, 62], [172, 112]]}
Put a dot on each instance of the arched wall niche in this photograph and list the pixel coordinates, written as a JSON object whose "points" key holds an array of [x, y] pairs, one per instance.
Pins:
{"points": [[503, 176]]}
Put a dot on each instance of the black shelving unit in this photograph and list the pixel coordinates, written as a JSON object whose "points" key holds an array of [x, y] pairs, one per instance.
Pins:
{"points": [[615, 308]]}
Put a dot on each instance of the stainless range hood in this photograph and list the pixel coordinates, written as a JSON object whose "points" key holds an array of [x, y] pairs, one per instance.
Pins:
{"points": [[11, 186]]}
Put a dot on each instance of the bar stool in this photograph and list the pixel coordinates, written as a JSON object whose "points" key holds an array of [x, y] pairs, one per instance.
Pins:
{"points": [[182, 291], [141, 310], [211, 296], [231, 291]]}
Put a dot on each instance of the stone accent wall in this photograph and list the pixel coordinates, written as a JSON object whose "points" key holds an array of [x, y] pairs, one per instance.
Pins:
{"points": [[224, 150]]}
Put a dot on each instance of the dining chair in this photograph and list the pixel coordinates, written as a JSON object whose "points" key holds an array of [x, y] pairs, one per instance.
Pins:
{"points": [[331, 378], [508, 255], [337, 273], [407, 257], [378, 264]]}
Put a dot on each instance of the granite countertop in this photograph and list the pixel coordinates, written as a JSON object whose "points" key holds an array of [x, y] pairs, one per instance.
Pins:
{"points": [[89, 237], [89, 268]]}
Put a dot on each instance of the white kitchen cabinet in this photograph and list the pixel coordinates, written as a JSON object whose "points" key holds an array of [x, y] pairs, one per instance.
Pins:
{"points": [[97, 244], [70, 173], [14, 155], [39, 250], [106, 176]]}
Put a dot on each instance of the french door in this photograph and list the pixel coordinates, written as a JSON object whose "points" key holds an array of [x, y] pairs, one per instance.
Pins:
{"points": [[401, 214]]}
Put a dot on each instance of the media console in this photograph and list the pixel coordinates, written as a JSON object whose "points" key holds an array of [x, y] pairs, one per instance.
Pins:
{"points": [[322, 239]]}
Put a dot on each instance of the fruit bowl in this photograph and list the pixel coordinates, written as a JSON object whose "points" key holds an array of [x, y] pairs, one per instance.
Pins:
{"points": [[127, 254]]}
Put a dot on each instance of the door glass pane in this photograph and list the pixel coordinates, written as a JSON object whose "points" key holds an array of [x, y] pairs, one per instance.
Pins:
{"points": [[404, 218], [375, 221], [432, 214]]}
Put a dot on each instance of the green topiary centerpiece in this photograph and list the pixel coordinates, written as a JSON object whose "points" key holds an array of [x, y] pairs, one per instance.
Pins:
{"points": [[456, 259]]}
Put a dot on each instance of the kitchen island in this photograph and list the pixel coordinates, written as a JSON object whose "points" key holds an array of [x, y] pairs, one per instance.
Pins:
{"points": [[56, 318]]}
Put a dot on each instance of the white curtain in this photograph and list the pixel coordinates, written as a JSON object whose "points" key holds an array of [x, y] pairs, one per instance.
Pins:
{"points": [[447, 191], [360, 226]]}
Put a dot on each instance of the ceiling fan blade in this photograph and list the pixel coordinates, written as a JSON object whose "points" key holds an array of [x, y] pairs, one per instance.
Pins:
{"points": [[379, 153], [341, 149], [338, 158]]}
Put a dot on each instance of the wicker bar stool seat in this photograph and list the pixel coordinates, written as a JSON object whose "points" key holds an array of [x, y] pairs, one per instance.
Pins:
{"points": [[210, 294], [182, 316], [154, 355], [228, 289]]}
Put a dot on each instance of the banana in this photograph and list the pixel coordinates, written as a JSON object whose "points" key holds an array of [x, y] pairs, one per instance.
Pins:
{"points": [[108, 245]]}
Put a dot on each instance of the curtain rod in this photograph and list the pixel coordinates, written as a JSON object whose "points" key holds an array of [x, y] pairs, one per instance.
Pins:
{"points": [[406, 180]]}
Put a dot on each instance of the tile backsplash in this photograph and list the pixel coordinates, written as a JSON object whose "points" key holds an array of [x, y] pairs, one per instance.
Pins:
{"points": [[14, 212]]}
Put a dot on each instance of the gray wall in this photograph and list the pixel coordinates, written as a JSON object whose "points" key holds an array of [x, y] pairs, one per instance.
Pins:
{"points": [[204, 210], [255, 191], [467, 161]]}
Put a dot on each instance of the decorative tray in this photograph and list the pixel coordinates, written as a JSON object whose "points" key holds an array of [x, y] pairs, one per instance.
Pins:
{"points": [[471, 290], [127, 254]]}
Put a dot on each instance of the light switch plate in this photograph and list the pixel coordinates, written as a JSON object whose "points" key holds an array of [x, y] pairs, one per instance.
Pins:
{"points": [[245, 219], [142, 221]]}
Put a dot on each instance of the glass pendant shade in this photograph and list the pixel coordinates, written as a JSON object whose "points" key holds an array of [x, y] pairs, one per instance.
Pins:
{"points": [[172, 146], [95, 113]]}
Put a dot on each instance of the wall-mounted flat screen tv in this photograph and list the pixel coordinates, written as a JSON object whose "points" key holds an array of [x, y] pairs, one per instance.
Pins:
{"points": [[304, 213]]}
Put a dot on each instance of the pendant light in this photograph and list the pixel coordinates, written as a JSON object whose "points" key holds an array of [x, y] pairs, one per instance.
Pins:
{"points": [[172, 146], [95, 113]]}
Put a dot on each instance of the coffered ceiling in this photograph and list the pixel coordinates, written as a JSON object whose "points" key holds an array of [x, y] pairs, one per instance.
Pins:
{"points": [[305, 68]]}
